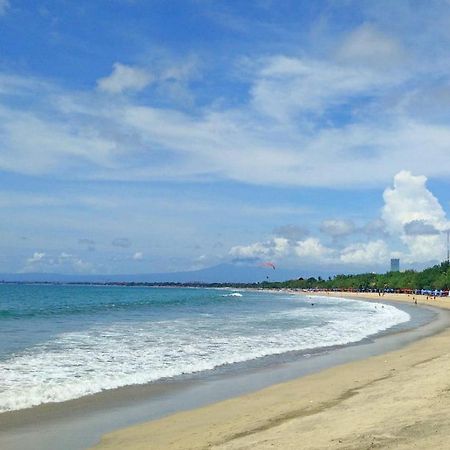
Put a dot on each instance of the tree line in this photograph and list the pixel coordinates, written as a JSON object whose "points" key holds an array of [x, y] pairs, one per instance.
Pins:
{"points": [[432, 278], [436, 277]]}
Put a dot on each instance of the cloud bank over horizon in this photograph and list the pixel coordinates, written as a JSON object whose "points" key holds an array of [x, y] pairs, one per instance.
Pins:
{"points": [[412, 226], [412, 220]]}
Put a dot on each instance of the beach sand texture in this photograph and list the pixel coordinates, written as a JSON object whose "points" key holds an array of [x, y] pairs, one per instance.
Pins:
{"points": [[398, 400]]}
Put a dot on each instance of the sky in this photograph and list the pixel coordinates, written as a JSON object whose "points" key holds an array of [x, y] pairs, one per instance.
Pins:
{"points": [[163, 135]]}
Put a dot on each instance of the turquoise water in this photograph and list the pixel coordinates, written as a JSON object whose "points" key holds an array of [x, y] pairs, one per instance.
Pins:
{"points": [[60, 342]]}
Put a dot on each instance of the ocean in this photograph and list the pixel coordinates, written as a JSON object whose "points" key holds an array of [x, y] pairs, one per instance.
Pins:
{"points": [[62, 342]]}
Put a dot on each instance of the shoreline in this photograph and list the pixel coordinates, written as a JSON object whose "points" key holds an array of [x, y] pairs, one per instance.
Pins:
{"points": [[393, 399], [81, 422]]}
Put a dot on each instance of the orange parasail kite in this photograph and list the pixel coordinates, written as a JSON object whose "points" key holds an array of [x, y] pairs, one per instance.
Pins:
{"points": [[268, 264]]}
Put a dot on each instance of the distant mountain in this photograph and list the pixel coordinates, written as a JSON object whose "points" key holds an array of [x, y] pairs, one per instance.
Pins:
{"points": [[221, 273]]}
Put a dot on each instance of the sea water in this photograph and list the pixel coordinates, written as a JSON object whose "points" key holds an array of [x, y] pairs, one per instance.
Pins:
{"points": [[61, 342]]}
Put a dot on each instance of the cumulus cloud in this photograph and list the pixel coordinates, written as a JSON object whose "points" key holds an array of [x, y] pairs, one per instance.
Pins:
{"points": [[36, 258], [273, 248], [251, 251], [121, 242], [412, 212], [306, 250], [125, 78], [409, 200], [138, 256], [411, 226], [63, 262], [366, 253], [312, 249]]}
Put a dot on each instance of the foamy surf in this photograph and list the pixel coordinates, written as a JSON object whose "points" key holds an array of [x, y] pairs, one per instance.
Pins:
{"points": [[172, 333]]}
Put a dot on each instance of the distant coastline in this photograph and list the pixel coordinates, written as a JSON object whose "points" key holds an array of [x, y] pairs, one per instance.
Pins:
{"points": [[433, 281]]}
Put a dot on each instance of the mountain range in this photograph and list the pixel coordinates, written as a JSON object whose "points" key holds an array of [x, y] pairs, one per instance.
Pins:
{"points": [[222, 273]]}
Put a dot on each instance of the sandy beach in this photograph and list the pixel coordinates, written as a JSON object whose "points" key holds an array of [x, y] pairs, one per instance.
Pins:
{"points": [[399, 399]]}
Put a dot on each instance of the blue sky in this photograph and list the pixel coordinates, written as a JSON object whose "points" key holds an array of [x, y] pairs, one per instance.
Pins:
{"points": [[149, 136]]}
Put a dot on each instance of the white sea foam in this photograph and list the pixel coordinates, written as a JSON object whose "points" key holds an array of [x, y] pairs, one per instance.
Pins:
{"points": [[105, 357], [233, 294]]}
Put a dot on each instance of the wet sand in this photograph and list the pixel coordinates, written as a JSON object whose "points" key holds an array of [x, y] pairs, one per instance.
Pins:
{"points": [[400, 399], [79, 424]]}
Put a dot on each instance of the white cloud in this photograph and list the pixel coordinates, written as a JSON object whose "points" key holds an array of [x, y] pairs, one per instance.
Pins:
{"points": [[311, 249], [280, 246], [287, 86], [138, 256], [36, 258], [255, 250], [275, 248], [366, 253], [64, 263], [409, 202], [411, 218], [35, 145], [305, 122], [125, 78]]}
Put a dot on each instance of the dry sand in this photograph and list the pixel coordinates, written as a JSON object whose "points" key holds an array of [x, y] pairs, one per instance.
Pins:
{"points": [[398, 400]]}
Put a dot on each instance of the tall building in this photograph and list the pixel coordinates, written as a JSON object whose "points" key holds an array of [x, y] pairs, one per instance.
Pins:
{"points": [[395, 265]]}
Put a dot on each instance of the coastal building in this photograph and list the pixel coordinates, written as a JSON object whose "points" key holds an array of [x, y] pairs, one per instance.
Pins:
{"points": [[395, 265]]}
